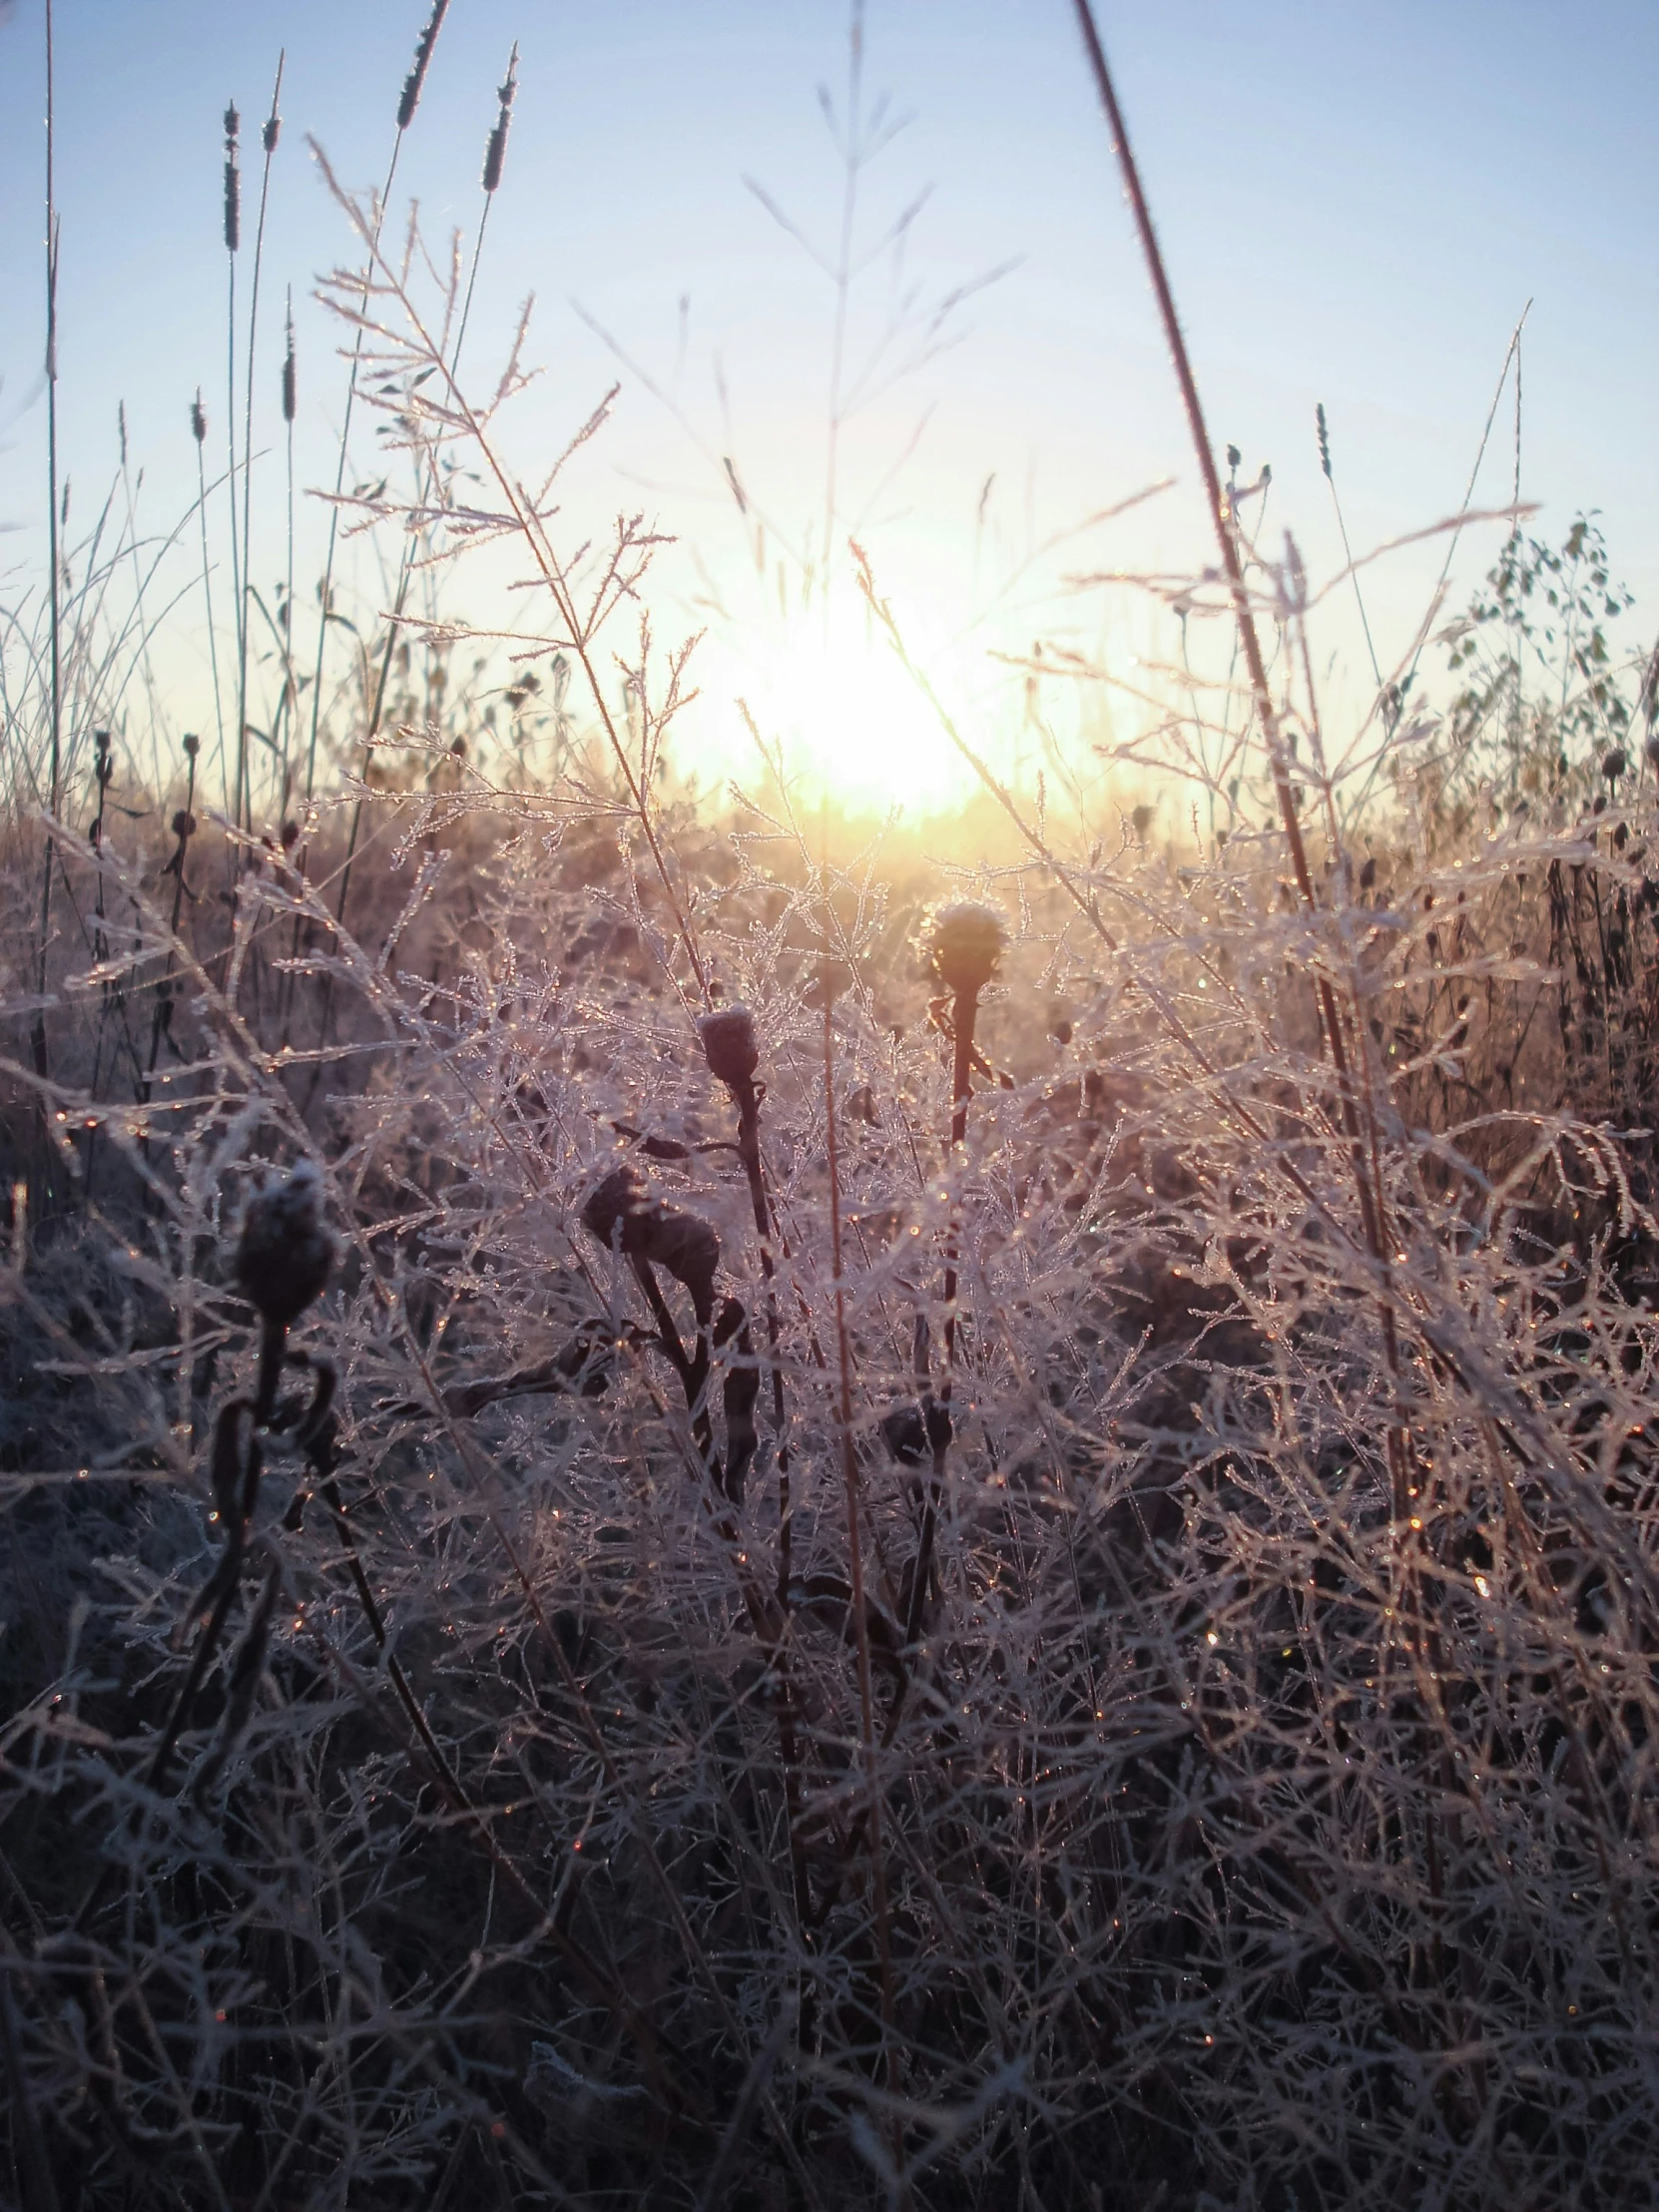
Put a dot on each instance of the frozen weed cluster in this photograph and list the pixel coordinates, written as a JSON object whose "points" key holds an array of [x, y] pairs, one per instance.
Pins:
{"points": [[691, 1527]]}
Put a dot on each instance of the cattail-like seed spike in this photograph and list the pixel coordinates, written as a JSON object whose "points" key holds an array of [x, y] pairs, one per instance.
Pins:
{"points": [[416, 79], [233, 178], [1324, 437], [495, 153], [198, 420], [289, 383]]}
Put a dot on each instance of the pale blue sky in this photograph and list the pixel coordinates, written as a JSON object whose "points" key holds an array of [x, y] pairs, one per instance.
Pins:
{"points": [[1355, 205]]}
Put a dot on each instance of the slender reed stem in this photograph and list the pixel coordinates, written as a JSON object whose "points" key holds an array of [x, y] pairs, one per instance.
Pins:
{"points": [[199, 431], [1228, 545], [232, 241], [854, 1548], [290, 696], [55, 586]]}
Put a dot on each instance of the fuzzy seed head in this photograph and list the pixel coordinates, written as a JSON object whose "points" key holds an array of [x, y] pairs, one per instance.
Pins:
{"points": [[285, 1253], [729, 1044], [965, 940], [198, 420]]}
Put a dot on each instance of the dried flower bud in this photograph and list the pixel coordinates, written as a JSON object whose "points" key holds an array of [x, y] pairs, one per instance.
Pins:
{"points": [[416, 78], [193, 744], [729, 1044], [1614, 766], [964, 943], [285, 1252], [625, 1215], [184, 825]]}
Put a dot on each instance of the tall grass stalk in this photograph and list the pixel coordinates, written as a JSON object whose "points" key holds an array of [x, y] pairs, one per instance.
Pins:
{"points": [[407, 105], [269, 133]]}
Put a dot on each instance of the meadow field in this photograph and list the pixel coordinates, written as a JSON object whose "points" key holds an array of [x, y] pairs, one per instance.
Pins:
{"points": [[714, 1502]]}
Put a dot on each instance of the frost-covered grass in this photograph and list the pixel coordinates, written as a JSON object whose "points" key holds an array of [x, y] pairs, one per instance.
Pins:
{"points": [[1020, 1572]]}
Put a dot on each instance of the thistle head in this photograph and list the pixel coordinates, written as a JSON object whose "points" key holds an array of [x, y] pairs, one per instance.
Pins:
{"points": [[285, 1253], [729, 1044], [965, 940]]}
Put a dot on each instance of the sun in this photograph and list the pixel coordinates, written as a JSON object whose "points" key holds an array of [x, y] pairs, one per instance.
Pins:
{"points": [[853, 726]]}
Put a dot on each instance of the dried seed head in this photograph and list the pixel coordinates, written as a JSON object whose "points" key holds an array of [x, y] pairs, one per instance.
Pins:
{"points": [[198, 420], [285, 1252], [965, 940], [729, 1044], [495, 153], [233, 179], [626, 1215], [193, 744], [416, 78], [1615, 764]]}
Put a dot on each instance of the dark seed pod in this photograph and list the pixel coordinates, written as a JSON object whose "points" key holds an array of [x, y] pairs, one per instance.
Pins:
{"points": [[965, 941], [1614, 766], [904, 1433], [625, 1215], [198, 420], [729, 1044], [193, 744], [285, 1253]]}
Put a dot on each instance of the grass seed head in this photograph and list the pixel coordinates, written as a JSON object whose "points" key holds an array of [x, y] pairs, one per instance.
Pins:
{"points": [[416, 78], [285, 1253], [965, 940], [289, 378], [495, 153]]}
